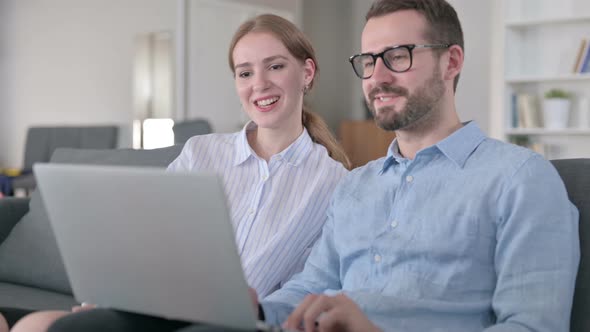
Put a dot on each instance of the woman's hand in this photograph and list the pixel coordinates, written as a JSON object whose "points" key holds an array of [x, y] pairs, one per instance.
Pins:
{"points": [[83, 307]]}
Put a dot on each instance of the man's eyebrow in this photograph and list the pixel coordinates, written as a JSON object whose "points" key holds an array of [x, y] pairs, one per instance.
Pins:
{"points": [[265, 60]]}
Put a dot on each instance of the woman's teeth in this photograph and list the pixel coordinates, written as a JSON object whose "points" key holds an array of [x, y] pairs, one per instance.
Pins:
{"points": [[266, 102]]}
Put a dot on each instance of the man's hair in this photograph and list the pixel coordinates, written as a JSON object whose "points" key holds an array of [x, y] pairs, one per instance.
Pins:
{"points": [[443, 23]]}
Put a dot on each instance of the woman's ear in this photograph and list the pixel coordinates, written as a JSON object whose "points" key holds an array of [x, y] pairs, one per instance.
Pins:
{"points": [[309, 71]]}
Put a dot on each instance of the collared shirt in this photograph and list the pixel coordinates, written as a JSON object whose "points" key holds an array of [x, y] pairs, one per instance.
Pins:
{"points": [[277, 208], [472, 234]]}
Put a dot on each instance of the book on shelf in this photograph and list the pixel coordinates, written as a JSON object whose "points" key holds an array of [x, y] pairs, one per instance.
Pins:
{"points": [[525, 113], [585, 64], [582, 63]]}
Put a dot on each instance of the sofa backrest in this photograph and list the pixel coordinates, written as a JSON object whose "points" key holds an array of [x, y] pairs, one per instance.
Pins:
{"points": [[187, 129], [29, 254], [576, 176], [43, 141]]}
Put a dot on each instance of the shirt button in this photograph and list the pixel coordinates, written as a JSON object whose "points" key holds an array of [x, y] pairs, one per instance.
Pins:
{"points": [[409, 178], [250, 211], [264, 177], [394, 224], [377, 258]]}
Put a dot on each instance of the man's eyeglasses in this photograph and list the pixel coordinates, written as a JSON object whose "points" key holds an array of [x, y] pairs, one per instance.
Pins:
{"points": [[397, 58]]}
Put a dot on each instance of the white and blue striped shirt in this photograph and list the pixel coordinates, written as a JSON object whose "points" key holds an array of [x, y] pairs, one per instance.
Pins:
{"points": [[277, 208]]}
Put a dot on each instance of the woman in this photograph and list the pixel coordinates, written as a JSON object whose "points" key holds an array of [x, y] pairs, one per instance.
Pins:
{"points": [[279, 171]]}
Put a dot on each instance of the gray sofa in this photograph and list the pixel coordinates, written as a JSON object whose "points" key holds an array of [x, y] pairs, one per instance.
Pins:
{"points": [[32, 275], [42, 141]]}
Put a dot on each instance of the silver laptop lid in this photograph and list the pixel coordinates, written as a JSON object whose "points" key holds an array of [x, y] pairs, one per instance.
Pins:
{"points": [[146, 241]]}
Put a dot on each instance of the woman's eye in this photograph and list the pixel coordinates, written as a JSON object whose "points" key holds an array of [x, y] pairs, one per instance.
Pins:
{"points": [[245, 74]]}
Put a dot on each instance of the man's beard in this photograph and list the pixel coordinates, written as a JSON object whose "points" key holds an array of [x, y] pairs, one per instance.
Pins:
{"points": [[419, 104]]}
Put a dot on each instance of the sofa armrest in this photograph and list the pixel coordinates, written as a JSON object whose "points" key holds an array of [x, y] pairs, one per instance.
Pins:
{"points": [[11, 211]]}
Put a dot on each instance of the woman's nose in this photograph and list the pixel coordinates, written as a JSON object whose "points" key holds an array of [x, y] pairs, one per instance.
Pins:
{"points": [[261, 82]]}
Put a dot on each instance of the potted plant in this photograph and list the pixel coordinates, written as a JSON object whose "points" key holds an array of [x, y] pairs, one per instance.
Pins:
{"points": [[556, 108]]}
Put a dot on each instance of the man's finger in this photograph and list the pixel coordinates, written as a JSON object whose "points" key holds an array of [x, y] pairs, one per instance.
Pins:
{"points": [[320, 307], [294, 320], [333, 320]]}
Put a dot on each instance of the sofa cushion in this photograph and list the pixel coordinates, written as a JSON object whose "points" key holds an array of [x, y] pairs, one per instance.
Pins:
{"points": [[12, 209], [29, 255], [24, 297]]}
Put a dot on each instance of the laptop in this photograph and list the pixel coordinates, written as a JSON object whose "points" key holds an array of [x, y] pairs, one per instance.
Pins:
{"points": [[148, 241]]}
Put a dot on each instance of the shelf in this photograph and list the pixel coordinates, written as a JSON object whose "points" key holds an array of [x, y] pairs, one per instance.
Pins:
{"points": [[526, 23], [539, 43], [548, 132], [543, 79]]}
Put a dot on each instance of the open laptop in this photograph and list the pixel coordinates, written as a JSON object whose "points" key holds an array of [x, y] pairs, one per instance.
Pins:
{"points": [[146, 241]]}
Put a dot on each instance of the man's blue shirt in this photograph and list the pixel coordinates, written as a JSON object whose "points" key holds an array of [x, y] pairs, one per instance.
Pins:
{"points": [[472, 234]]}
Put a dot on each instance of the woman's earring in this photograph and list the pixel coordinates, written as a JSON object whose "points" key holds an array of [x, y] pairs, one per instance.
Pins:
{"points": [[305, 89]]}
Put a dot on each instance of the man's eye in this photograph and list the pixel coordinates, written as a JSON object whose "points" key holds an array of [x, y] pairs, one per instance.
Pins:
{"points": [[276, 67], [245, 74]]}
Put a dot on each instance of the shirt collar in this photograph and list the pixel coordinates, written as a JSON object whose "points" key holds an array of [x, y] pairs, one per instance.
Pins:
{"points": [[243, 149], [294, 154], [457, 147], [460, 145]]}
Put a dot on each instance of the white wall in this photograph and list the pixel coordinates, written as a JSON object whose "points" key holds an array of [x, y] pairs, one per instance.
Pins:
{"points": [[473, 91], [327, 24], [70, 62], [357, 101]]}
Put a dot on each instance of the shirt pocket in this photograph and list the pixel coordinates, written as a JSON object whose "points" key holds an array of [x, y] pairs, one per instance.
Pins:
{"points": [[453, 252]]}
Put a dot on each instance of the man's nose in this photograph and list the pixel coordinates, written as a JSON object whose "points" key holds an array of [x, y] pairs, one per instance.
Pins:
{"points": [[382, 74]]}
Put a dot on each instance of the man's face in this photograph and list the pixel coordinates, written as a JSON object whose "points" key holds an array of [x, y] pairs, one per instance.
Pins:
{"points": [[401, 100]]}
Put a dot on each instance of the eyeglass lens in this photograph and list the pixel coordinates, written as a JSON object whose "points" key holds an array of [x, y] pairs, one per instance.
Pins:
{"points": [[397, 59]]}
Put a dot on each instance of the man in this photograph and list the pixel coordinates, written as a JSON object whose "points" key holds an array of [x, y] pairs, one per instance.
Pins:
{"points": [[452, 231]]}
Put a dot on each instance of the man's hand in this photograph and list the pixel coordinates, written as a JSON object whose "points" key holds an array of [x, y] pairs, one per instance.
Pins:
{"points": [[332, 313]]}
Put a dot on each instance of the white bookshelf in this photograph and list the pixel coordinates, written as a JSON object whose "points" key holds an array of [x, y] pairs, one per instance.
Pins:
{"points": [[541, 39]]}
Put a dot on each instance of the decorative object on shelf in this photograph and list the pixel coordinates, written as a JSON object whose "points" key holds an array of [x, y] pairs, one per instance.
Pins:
{"points": [[583, 111], [556, 109], [526, 113]]}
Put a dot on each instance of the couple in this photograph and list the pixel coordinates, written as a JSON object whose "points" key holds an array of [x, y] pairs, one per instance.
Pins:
{"points": [[451, 231]]}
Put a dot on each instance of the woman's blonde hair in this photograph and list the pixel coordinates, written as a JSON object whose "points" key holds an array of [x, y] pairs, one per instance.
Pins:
{"points": [[300, 48]]}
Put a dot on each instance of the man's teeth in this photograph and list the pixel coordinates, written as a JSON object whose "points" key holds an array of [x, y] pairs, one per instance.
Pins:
{"points": [[266, 102], [384, 98]]}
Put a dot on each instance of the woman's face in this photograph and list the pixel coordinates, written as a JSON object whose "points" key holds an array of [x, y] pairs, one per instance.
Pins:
{"points": [[270, 81]]}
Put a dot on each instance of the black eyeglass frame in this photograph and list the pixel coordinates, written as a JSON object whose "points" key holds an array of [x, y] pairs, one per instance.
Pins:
{"points": [[409, 47]]}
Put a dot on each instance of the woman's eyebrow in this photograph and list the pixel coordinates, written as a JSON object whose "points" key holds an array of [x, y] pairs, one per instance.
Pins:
{"points": [[265, 60]]}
